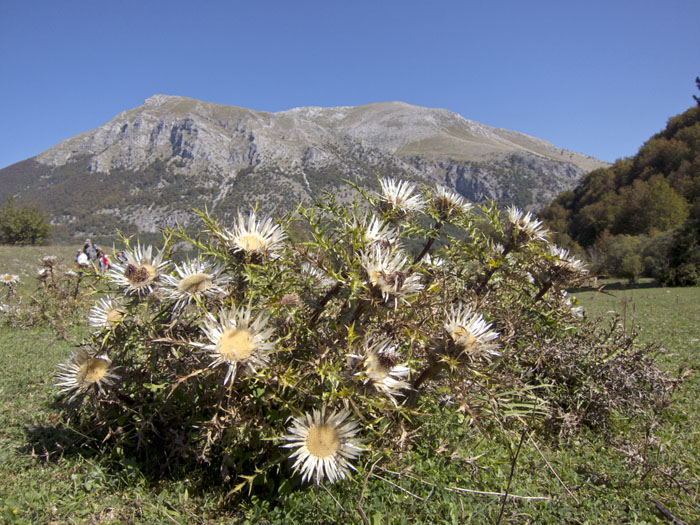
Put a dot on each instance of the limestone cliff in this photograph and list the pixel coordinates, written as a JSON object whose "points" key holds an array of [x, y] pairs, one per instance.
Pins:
{"points": [[152, 164]]}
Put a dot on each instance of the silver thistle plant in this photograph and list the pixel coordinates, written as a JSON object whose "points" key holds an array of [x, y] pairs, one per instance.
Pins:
{"points": [[218, 356]]}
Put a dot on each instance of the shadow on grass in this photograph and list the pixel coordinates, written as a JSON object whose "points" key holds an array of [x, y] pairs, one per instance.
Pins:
{"points": [[56, 443], [617, 286], [50, 443], [54, 438]]}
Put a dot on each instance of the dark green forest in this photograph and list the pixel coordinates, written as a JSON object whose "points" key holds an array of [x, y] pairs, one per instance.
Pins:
{"points": [[640, 216]]}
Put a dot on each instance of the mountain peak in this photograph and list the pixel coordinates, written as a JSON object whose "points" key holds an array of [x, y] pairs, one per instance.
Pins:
{"points": [[174, 153], [159, 100]]}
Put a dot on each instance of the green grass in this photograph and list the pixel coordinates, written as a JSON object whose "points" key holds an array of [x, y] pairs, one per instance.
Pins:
{"points": [[26, 260], [44, 480], [668, 316], [442, 478]]}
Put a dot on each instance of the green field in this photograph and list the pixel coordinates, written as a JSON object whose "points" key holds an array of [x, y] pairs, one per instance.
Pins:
{"points": [[668, 316], [25, 260], [455, 474]]}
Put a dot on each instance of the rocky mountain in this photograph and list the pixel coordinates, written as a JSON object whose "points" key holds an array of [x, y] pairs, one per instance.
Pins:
{"points": [[151, 165]]}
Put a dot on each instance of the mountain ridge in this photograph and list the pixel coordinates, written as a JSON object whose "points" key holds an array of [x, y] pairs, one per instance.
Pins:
{"points": [[183, 153]]}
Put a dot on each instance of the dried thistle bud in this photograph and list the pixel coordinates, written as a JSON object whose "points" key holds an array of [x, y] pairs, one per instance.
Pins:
{"points": [[291, 299]]}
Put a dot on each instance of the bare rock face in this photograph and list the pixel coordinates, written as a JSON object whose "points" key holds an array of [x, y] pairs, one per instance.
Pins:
{"points": [[152, 164]]}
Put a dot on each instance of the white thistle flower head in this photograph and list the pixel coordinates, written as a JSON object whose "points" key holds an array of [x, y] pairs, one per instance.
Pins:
{"points": [[381, 369], [255, 237], [449, 204], [49, 261], [194, 280], [470, 333], [568, 302], [433, 262], [325, 442], [376, 233], [523, 227], [399, 197], [9, 279], [566, 262], [141, 271], [85, 370], [558, 268], [106, 314], [321, 278], [237, 341], [497, 249], [387, 273]]}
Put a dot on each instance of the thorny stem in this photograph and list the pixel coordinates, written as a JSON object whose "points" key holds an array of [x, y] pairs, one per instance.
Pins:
{"points": [[77, 285], [240, 287], [489, 273], [324, 301], [542, 291], [430, 372], [358, 311], [429, 244], [362, 494]]}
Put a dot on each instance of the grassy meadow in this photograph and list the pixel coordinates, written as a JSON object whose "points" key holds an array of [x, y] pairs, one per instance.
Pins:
{"points": [[455, 474], [24, 261]]}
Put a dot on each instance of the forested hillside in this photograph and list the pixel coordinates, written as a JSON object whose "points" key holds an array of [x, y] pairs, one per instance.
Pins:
{"points": [[642, 214]]}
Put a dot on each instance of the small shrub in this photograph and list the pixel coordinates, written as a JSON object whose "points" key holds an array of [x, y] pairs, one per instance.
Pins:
{"points": [[23, 225], [684, 254], [595, 372]]}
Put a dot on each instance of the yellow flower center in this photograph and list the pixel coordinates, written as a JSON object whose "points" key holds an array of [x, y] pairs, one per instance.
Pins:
{"points": [[322, 441], [462, 335], [114, 315], [194, 283], [375, 369], [250, 242], [236, 344], [92, 371], [374, 277]]}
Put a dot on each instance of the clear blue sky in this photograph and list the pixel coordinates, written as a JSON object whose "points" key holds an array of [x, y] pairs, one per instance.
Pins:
{"points": [[597, 77]]}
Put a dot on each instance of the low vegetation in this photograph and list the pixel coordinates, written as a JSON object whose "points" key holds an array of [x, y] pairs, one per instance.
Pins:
{"points": [[460, 379]]}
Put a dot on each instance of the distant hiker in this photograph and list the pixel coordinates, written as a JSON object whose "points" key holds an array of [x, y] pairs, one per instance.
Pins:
{"points": [[102, 260], [90, 249], [81, 259], [119, 256]]}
